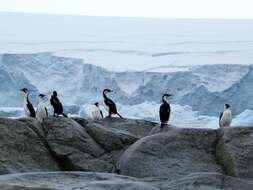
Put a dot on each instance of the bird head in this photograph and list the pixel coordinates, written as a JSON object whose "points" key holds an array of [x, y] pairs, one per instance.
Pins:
{"points": [[166, 96], [54, 93], [226, 106], [41, 97], [96, 104], [25, 90], [105, 91]]}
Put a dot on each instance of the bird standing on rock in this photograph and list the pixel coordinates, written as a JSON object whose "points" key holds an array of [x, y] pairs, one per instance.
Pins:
{"points": [[165, 110], [110, 104], [225, 116], [41, 112], [57, 105], [28, 107], [96, 112]]}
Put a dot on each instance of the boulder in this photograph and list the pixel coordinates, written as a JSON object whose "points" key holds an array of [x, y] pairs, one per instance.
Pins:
{"points": [[74, 147], [22, 150], [158, 129], [235, 151], [202, 181], [72, 180], [173, 154], [117, 134]]}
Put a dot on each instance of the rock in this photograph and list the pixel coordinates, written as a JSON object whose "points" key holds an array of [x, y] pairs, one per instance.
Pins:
{"points": [[173, 154], [72, 180], [110, 138], [22, 150], [202, 181], [14, 187], [74, 147], [235, 151], [83, 122], [116, 133], [138, 128], [158, 129], [168, 159]]}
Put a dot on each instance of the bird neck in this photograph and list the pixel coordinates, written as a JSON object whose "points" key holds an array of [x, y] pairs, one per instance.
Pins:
{"points": [[105, 96], [41, 101], [165, 101], [26, 98]]}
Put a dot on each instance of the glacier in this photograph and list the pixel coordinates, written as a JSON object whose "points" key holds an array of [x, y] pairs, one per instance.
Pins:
{"points": [[204, 63]]}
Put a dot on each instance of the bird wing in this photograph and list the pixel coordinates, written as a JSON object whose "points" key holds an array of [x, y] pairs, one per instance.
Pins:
{"points": [[46, 111], [221, 115], [220, 118], [111, 105], [31, 108], [101, 114]]}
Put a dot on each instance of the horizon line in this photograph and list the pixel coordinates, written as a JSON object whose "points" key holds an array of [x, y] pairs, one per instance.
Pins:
{"points": [[125, 17]]}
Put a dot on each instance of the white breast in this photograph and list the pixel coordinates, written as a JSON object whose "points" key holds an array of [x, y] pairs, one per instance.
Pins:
{"points": [[27, 111], [96, 113], [41, 112], [226, 118]]}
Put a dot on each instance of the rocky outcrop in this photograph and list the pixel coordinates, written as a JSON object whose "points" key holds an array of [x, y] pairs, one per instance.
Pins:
{"points": [[72, 180], [105, 181], [203, 181], [235, 152], [168, 159], [75, 148], [22, 150], [115, 133], [67, 144], [173, 154]]}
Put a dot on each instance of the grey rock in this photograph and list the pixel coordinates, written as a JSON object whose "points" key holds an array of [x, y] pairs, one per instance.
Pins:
{"points": [[235, 151], [202, 181], [73, 180], [173, 154], [15, 187], [73, 146], [22, 150], [116, 133], [158, 129]]}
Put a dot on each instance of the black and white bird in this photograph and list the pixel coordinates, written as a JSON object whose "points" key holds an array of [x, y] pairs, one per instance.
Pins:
{"points": [[112, 109], [41, 112], [96, 112], [165, 110], [28, 107], [225, 116], [57, 105]]}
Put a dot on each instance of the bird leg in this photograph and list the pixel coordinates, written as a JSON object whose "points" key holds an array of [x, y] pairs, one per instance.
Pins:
{"points": [[119, 115], [110, 114]]}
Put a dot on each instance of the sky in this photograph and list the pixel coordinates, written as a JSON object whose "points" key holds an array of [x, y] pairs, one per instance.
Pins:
{"points": [[135, 8]]}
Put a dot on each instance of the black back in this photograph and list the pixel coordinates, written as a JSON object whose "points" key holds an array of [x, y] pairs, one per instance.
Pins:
{"points": [[101, 113], [55, 102], [164, 112], [111, 105], [46, 111], [30, 108], [221, 115]]}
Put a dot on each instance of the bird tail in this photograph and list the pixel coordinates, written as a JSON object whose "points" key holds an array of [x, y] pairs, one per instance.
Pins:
{"points": [[64, 115], [119, 115]]}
